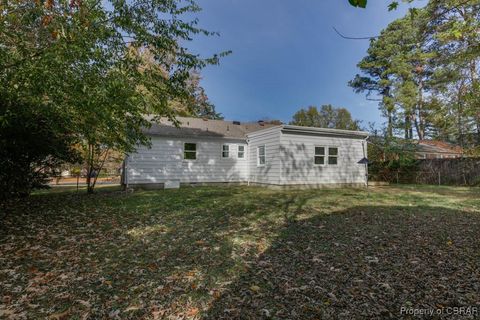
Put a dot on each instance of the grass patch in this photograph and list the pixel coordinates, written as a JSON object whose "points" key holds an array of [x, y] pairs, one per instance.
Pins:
{"points": [[240, 252]]}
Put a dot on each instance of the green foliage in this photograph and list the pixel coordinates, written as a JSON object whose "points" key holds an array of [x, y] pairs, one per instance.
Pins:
{"points": [[394, 171], [424, 69], [32, 147], [326, 117], [363, 4], [197, 103], [385, 148], [358, 3], [84, 62], [393, 6]]}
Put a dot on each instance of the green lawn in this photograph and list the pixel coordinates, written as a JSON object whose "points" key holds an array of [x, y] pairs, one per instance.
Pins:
{"points": [[240, 252]]}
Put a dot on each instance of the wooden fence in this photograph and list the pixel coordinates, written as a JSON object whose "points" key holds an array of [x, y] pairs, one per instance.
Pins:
{"points": [[459, 172]]}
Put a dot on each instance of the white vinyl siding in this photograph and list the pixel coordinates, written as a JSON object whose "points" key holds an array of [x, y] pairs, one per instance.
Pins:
{"points": [[298, 168], [288, 159], [165, 161], [270, 172]]}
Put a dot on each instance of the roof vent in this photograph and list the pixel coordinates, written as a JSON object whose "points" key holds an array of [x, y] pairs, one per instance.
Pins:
{"points": [[236, 122], [261, 122]]}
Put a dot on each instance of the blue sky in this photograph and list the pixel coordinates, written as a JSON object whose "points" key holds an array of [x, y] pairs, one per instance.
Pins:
{"points": [[287, 56]]}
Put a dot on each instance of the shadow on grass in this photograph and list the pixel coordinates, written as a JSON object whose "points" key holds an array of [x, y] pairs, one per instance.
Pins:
{"points": [[129, 256], [361, 263], [235, 253]]}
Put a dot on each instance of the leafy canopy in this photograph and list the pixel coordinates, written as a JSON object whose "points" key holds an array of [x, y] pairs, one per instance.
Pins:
{"points": [[83, 63], [424, 71], [326, 117]]}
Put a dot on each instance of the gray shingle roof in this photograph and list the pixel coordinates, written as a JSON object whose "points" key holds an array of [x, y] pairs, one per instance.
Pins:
{"points": [[191, 127]]}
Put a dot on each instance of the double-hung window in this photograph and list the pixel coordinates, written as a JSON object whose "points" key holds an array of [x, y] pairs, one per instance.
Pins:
{"points": [[190, 151], [225, 151], [332, 156], [325, 155], [241, 152], [261, 156], [319, 156]]}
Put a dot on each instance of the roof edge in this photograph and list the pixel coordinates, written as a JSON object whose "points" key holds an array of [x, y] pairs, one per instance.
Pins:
{"points": [[266, 130], [328, 131]]}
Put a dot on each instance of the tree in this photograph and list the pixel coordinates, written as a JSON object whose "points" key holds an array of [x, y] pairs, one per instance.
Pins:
{"points": [[422, 68], [80, 62], [32, 147], [197, 104], [396, 70], [326, 117], [455, 24]]}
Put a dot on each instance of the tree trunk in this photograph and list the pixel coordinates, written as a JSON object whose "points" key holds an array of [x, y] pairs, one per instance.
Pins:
{"points": [[100, 167], [90, 168], [408, 127], [420, 125], [390, 125], [95, 164], [407, 120]]}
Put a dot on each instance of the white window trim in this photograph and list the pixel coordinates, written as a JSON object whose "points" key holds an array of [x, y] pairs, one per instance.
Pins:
{"points": [[325, 156], [264, 155], [229, 151], [184, 151], [337, 156], [238, 151]]}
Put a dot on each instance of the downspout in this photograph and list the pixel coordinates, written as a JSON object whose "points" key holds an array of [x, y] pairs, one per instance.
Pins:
{"points": [[364, 146], [248, 162], [125, 172]]}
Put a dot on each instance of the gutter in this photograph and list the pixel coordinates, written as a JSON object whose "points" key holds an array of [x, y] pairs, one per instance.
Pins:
{"points": [[331, 132]]}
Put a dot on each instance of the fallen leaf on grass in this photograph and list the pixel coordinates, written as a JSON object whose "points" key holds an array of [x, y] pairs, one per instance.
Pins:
{"points": [[84, 303], [192, 312], [132, 308], [60, 315], [255, 288]]}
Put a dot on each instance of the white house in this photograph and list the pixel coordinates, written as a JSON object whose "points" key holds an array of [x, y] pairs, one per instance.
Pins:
{"points": [[215, 151]]}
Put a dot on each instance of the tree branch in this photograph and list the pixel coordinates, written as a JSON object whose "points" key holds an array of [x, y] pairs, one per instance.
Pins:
{"points": [[354, 38]]}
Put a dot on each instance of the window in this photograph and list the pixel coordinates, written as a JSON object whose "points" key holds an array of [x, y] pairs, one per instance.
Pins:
{"points": [[225, 151], [190, 151], [319, 156], [261, 159], [332, 156], [241, 152]]}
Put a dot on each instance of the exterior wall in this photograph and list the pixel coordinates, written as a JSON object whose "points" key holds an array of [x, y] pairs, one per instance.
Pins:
{"points": [[270, 172], [297, 160], [164, 161], [289, 161]]}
